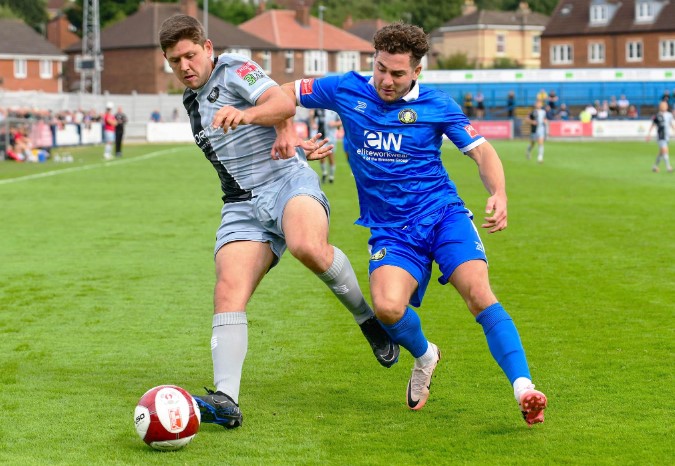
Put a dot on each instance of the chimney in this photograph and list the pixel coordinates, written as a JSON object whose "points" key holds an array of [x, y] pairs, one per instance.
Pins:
{"points": [[348, 22], [189, 7], [523, 8], [468, 7], [302, 14]]}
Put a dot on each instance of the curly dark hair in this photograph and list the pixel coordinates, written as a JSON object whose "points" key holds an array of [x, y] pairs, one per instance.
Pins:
{"points": [[402, 38], [179, 27]]}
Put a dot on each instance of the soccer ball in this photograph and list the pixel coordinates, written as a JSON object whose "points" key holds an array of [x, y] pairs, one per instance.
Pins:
{"points": [[167, 417]]}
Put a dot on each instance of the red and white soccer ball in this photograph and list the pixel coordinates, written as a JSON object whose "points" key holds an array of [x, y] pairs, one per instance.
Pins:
{"points": [[167, 417]]}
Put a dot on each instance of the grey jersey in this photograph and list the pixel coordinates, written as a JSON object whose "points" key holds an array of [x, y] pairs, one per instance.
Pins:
{"points": [[241, 156]]}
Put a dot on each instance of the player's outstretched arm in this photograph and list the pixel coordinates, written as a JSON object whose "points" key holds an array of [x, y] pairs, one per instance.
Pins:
{"points": [[492, 174], [271, 108]]}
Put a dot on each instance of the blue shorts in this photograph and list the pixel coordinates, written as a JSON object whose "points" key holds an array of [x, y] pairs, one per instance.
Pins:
{"points": [[446, 236], [260, 219]]}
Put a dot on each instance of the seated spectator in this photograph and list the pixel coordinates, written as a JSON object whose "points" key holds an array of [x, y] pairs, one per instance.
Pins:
{"points": [[591, 110], [632, 112], [563, 113], [585, 115], [623, 104], [613, 107], [603, 113], [550, 113]]}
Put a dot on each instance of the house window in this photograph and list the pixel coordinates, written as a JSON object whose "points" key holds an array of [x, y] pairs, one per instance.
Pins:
{"points": [[536, 45], [599, 14], [501, 44], [266, 59], [348, 61], [667, 49], [596, 52], [634, 51], [644, 11], [20, 68], [243, 52], [46, 69], [561, 54], [288, 59], [315, 62]]}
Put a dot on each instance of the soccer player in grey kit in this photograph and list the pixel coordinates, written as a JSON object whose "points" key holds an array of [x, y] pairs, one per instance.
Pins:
{"points": [[270, 203]]}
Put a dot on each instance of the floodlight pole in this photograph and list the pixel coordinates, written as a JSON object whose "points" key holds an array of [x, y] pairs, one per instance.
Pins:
{"points": [[323, 63], [91, 47], [205, 21]]}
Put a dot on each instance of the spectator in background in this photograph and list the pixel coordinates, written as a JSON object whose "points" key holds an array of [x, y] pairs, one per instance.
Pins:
{"points": [[542, 96], [663, 122], [550, 113], [109, 123], [632, 112], [585, 115], [122, 120], [468, 105], [623, 103], [511, 104], [563, 113], [603, 113], [156, 116], [666, 98], [553, 100], [592, 111], [480, 105], [613, 107], [174, 115]]}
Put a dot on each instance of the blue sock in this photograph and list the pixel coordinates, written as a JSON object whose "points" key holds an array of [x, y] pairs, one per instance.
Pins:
{"points": [[504, 341], [407, 332]]}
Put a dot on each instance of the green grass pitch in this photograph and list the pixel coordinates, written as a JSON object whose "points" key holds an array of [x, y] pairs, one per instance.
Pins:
{"points": [[106, 279]]}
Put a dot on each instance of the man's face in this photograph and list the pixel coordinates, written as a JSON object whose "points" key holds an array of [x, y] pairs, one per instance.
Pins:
{"points": [[191, 63], [393, 75]]}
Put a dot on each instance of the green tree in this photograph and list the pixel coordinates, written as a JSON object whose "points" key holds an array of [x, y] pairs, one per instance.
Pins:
{"points": [[232, 11], [33, 12], [456, 61], [505, 63]]}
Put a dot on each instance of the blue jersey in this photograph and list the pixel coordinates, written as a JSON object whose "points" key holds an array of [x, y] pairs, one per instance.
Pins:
{"points": [[394, 148]]}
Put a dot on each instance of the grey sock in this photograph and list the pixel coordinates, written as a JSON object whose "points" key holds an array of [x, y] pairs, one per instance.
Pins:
{"points": [[341, 279], [229, 343]]}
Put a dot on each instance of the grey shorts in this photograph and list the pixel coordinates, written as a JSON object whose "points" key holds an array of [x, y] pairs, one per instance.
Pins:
{"points": [[260, 218], [663, 143]]}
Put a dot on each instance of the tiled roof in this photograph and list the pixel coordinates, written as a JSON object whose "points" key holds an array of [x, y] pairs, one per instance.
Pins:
{"points": [[499, 18], [572, 17], [366, 28], [141, 30], [281, 28], [17, 38]]}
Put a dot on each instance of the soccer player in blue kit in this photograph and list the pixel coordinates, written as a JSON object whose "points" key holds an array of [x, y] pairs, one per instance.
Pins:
{"points": [[269, 203], [394, 130]]}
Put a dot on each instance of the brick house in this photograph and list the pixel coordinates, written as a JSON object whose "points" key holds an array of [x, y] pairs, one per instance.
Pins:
{"points": [[133, 60], [610, 34], [307, 46], [27, 60], [485, 36]]}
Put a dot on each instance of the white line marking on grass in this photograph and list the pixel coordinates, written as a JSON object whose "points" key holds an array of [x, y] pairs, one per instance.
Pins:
{"points": [[107, 163]]}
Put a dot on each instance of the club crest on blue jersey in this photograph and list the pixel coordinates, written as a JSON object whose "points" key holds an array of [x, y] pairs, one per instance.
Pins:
{"points": [[407, 116], [379, 255], [213, 95]]}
